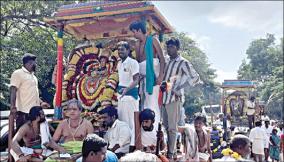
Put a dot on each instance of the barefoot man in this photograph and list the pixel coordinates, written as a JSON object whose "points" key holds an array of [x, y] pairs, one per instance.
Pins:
{"points": [[151, 65]]}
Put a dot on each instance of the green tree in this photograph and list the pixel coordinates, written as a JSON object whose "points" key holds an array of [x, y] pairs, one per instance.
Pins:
{"points": [[23, 30], [265, 65]]}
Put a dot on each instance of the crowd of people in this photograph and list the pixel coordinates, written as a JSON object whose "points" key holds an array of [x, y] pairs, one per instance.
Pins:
{"points": [[266, 141], [141, 81]]}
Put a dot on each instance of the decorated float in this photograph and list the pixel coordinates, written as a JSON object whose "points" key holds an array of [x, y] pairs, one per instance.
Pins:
{"points": [[91, 74], [234, 97]]}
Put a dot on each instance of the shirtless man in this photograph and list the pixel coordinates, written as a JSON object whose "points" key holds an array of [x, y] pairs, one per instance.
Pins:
{"points": [[149, 48], [204, 151], [31, 134], [74, 128]]}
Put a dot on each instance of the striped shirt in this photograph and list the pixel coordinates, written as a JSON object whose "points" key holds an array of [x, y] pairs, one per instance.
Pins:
{"points": [[179, 73]]}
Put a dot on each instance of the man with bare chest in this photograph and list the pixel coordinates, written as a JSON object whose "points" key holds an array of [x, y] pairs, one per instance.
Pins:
{"points": [[30, 133], [151, 66], [74, 128], [204, 151]]}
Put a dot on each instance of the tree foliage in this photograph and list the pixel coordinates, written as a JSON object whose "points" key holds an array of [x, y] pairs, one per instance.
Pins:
{"points": [[23, 30], [265, 65]]}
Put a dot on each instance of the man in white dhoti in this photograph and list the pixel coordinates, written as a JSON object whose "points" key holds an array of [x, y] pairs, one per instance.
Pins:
{"points": [[151, 63], [258, 138], [128, 74], [268, 129]]}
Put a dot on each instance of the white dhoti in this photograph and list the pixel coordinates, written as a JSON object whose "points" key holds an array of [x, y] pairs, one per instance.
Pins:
{"points": [[45, 138], [151, 101], [45, 134], [29, 151], [126, 107], [191, 143]]}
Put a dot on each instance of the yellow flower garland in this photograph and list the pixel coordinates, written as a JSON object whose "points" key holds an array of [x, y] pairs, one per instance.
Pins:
{"points": [[229, 152]]}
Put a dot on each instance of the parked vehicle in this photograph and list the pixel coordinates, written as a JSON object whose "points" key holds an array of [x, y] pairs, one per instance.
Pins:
{"points": [[211, 110]]}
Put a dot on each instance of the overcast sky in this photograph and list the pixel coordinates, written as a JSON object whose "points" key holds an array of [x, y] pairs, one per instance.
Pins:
{"points": [[224, 29]]}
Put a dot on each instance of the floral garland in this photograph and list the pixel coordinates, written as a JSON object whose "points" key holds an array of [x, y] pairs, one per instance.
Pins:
{"points": [[229, 152], [90, 78]]}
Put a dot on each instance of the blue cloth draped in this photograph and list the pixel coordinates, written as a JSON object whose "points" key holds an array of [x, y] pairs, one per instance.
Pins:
{"points": [[150, 73], [131, 92]]}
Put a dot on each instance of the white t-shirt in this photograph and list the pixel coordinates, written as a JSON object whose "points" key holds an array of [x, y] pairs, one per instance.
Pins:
{"points": [[267, 130], [251, 107], [147, 138], [126, 71], [259, 139], [120, 134], [27, 89]]}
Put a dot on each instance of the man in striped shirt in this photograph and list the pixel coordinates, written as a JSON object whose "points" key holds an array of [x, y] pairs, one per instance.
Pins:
{"points": [[179, 73]]}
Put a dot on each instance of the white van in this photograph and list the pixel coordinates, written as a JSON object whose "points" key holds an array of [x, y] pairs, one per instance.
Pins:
{"points": [[216, 109]]}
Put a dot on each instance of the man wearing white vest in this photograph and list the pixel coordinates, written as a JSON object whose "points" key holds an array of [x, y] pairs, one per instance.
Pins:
{"points": [[251, 111]]}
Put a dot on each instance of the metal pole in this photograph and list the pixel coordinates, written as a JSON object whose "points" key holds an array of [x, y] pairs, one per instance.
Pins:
{"points": [[10, 136], [225, 115]]}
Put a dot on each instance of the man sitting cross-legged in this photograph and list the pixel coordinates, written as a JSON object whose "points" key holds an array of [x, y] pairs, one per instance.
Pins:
{"points": [[74, 128], [31, 134]]}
